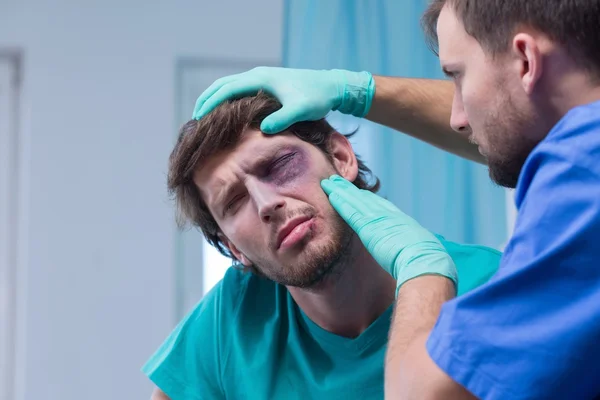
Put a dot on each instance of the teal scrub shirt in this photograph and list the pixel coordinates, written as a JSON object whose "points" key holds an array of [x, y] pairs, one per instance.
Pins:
{"points": [[247, 339]]}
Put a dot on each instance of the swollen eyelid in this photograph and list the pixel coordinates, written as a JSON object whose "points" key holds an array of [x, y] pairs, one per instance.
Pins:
{"points": [[289, 171], [282, 162]]}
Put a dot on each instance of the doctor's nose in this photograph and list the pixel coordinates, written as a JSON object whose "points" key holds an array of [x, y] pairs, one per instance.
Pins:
{"points": [[458, 118]]}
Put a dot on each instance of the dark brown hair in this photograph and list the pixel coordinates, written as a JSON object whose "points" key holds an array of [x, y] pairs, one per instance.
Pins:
{"points": [[221, 130], [575, 24]]}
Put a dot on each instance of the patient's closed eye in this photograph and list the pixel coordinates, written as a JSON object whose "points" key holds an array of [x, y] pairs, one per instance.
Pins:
{"points": [[232, 203], [278, 171], [280, 162]]}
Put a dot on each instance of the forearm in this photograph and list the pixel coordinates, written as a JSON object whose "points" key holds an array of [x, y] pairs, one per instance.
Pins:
{"points": [[417, 308], [421, 108], [159, 395]]}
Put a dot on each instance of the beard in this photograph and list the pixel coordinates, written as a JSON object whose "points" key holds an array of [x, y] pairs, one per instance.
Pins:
{"points": [[508, 130], [316, 263]]}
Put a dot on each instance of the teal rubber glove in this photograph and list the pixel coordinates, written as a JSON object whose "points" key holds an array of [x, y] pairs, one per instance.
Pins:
{"points": [[305, 95], [397, 242]]}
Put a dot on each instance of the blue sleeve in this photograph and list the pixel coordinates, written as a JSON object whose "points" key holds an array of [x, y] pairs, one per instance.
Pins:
{"points": [[532, 331], [187, 366]]}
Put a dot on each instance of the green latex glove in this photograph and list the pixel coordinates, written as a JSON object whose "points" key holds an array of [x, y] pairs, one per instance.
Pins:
{"points": [[397, 242], [306, 95]]}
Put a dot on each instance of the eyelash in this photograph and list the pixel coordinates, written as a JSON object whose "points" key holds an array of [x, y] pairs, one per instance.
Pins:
{"points": [[281, 161], [232, 203]]}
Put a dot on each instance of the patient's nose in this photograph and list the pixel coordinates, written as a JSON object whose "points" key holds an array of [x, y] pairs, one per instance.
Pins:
{"points": [[267, 199]]}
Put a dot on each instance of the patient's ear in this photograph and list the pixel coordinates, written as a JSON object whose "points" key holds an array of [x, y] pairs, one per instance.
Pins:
{"points": [[343, 156], [235, 251]]}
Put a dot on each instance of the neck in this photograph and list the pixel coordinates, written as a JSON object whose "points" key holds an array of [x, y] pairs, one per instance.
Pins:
{"points": [[579, 93], [352, 299], [567, 87]]}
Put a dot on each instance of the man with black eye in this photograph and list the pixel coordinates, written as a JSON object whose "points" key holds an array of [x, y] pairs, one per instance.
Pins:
{"points": [[306, 311]]}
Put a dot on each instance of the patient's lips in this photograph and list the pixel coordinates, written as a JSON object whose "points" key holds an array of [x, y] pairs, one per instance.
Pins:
{"points": [[294, 231]]}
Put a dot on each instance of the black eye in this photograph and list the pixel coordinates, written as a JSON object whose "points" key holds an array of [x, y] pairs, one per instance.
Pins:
{"points": [[281, 161]]}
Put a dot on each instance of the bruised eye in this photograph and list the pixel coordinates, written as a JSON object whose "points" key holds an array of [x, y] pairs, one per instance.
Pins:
{"points": [[277, 171], [280, 162]]}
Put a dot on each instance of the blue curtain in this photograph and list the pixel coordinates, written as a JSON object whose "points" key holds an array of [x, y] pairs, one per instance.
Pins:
{"points": [[446, 194]]}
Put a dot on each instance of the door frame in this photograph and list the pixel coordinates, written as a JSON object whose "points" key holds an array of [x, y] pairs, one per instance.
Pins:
{"points": [[191, 249], [10, 161]]}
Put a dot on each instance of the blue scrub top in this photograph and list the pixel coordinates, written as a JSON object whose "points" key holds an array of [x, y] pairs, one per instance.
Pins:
{"points": [[532, 331]]}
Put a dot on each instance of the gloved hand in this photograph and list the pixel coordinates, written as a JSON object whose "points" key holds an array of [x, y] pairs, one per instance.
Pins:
{"points": [[305, 95], [397, 242]]}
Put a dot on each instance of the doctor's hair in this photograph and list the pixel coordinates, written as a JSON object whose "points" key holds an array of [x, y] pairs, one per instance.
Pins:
{"points": [[575, 24], [221, 130]]}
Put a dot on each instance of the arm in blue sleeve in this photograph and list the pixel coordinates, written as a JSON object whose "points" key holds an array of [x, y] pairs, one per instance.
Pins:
{"points": [[532, 331]]}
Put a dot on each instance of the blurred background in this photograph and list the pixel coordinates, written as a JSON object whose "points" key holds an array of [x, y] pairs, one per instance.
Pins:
{"points": [[93, 272]]}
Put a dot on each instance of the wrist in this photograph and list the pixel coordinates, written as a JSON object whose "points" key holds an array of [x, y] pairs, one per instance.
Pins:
{"points": [[443, 287], [356, 91], [429, 263]]}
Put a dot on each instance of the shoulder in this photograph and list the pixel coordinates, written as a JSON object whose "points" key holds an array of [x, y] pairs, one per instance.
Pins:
{"points": [[558, 193], [203, 334], [219, 306], [579, 123], [475, 264], [559, 184], [573, 143]]}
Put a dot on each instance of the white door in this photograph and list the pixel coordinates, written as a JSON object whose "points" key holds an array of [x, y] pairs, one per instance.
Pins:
{"points": [[8, 218]]}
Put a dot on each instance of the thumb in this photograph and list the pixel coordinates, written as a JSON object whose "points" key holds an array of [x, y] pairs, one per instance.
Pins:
{"points": [[353, 217], [281, 119]]}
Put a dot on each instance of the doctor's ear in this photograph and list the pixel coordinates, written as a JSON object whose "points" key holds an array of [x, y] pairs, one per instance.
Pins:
{"points": [[342, 154], [235, 251]]}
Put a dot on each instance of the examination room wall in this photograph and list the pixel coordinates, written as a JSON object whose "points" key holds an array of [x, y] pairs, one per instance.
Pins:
{"points": [[95, 282]]}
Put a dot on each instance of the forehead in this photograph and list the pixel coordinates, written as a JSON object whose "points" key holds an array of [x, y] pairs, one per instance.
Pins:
{"points": [[454, 42]]}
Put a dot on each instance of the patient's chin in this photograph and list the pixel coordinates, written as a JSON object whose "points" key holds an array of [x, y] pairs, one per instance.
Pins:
{"points": [[317, 263]]}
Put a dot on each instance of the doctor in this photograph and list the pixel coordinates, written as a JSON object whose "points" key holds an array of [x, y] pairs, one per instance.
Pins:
{"points": [[526, 89]]}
